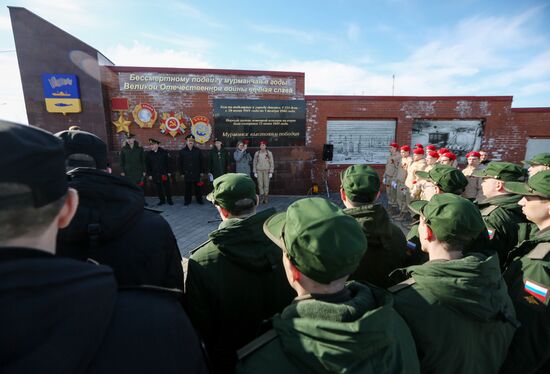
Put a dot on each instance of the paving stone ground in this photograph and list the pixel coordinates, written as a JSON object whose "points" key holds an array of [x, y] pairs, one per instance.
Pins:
{"points": [[192, 223]]}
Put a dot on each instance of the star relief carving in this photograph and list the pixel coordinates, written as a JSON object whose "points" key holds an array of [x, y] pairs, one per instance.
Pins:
{"points": [[122, 124]]}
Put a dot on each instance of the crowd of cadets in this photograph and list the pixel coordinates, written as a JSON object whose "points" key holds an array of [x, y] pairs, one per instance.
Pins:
{"points": [[93, 282]]}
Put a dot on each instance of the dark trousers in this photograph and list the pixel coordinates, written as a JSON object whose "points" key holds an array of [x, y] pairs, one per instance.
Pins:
{"points": [[163, 190], [188, 192]]}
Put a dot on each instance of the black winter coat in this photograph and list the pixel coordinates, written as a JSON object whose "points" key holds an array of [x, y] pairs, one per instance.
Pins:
{"points": [[157, 163], [63, 316], [138, 244], [190, 163]]}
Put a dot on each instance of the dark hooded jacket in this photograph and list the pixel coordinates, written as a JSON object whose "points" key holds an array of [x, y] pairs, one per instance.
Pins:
{"points": [[63, 316], [387, 246], [501, 215], [355, 333], [112, 228], [235, 281], [459, 313]]}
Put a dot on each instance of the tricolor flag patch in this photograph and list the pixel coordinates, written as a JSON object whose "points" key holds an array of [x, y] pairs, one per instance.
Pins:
{"points": [[536, 290], [491, 233]]}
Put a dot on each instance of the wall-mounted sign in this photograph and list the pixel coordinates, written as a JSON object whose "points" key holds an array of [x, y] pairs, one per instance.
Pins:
{"points": [[172, 123], [360, 141], [61, 93], [280, 122], [145, 115], [207, 83], [120, 104], [201, 129]]}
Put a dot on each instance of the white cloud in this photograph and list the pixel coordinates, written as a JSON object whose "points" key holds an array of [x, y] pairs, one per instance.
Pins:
{"points": [[263, 50], [199, 16], [5, 23], [12, 103], [139, 54]]}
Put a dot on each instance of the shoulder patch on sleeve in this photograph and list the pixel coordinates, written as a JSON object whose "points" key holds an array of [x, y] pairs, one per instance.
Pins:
{"points": [[540, 251], [256, 344], [539, 291], [399, 286], [490, 209]]}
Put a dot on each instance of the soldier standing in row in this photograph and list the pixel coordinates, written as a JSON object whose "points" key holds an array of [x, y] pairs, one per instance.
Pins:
{"points": [[418, 164], [402, 190], [387, 244], [458, 296], [263, 166], [474, 185], [132, 160], [190, 165], [538, 163], [499, 208], [158, 170], [219, 160], [390, 176], [528, 277]]}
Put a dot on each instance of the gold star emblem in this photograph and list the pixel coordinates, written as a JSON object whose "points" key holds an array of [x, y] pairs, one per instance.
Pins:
{"points": [[122, 124]]}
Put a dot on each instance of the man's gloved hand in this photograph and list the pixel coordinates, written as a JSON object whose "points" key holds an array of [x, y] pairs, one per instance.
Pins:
{"points": [[270, 175]]}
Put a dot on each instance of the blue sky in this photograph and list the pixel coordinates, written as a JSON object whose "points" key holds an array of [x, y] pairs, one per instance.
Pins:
{"points": [[350, 47]]}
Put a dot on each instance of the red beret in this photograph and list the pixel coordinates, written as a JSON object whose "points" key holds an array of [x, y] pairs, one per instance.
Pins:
{"points": [[263, 142], [418, 145], [449, 155], [443, 151], [406, 148], [473, 154], [431, 147], [418, 151], [433, 154], [394, 145]]}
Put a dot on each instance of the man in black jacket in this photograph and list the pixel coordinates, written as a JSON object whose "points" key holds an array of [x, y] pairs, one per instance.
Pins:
{"points": [[58, 315], [158, 170], [111, 227], [190, 165]]}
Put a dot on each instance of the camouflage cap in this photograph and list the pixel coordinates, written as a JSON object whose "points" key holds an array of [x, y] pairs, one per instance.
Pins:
{"points": [[230, 188], [537, 185], [322, 241], [448, 178], [540, 159], [360, 182], [505, 171], [451, 217]]}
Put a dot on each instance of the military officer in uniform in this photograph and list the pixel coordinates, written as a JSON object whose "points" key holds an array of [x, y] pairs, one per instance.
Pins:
{"points": [[499, 208], [331, 326], [538, 163], [218, 161], [528, 277], [456, 305], [158, 170], [390, 176], [387, 244], [190, 165], [132, 160]]}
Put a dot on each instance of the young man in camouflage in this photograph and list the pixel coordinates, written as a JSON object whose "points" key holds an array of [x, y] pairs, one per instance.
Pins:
{"points": [[499, 208], [456, 305], [332, 326], [236, 279], [538, 163], [528, 277], [387, 249]]}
